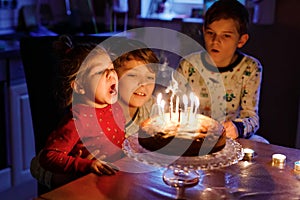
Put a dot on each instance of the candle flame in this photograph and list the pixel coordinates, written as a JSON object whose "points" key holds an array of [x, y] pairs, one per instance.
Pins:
{"points": [[159, 97], [185, 99], [162, 103], [197, 102], [192, 97]]}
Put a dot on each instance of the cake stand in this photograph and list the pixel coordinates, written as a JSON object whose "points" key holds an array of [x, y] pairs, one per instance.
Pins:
{"points": [[182, 172]]}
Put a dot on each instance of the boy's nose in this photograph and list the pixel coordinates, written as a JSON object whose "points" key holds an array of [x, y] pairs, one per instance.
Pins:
{"points": [[216, 38], [142, 81]]}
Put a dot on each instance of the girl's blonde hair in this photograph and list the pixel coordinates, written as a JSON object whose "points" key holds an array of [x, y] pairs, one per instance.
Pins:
{"points": [[73, 66]]}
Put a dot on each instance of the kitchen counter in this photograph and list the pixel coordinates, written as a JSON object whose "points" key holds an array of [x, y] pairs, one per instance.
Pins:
{"points": [[170, 17], [9, 49]]}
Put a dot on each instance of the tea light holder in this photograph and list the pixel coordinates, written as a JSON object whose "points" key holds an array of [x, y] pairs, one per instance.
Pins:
{"points": [[278, 158], [248, 153], [297, 166]]}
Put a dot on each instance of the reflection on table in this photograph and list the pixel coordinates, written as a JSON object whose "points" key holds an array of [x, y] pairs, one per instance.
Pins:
{"points": [[256, 178]]}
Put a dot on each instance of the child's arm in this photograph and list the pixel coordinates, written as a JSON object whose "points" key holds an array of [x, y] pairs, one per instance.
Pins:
{"points": [[249, 118], [56, 156]]}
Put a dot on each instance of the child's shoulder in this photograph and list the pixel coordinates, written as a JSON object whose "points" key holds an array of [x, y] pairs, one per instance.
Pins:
{"points": [[251, 61], [194, 56]]}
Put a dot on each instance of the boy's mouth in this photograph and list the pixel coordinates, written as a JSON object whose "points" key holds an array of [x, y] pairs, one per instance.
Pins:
{"points": [[215, 51], [139, 93]]}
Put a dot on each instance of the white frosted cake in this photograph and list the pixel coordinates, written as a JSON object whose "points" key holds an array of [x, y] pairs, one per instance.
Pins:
{"points": [[171, 135]]}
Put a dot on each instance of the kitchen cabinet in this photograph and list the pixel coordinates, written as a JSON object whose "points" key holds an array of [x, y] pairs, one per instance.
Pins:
{"points": [[16, 181]]}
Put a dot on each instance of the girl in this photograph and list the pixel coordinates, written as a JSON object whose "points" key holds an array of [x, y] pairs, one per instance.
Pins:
{"points": [[89, 87]]}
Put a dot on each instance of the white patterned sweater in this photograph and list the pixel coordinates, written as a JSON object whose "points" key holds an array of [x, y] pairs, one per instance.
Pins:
{"points": [[235, 89]]}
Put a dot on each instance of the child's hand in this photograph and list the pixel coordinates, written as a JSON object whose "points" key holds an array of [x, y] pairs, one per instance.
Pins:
{"points": [[103, 168], [231, 129]]}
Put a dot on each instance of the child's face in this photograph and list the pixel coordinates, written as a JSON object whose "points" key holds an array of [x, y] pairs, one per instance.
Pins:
{"points": [[136, 83], [100, 82], [221, 41]]}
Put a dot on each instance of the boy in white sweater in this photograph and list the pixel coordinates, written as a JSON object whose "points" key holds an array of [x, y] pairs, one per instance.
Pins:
{"points": [[225, 31]]}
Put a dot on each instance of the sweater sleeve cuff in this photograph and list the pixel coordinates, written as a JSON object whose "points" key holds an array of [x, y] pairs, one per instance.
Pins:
{"points": [[240, 128], [83, 165]]}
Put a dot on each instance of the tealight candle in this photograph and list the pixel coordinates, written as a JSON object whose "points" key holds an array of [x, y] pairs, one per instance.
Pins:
{"points": [[297, 166], [278, 158], [248, 153]]}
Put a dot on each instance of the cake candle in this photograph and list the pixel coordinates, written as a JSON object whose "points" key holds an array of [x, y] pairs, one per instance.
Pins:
{"points": [[192, 98], [177, 107], [171, 107], [162, 104], [185, 103], [185, 109], [158, 101], [179, 116], [197, 104]]}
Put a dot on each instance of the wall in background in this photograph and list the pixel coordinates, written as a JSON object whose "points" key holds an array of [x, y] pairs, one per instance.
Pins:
{"points": [[277, 47]]}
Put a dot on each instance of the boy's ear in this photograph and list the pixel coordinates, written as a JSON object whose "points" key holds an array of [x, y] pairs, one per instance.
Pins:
{"points": [[243, 39], [203, 29], [77, 87]]}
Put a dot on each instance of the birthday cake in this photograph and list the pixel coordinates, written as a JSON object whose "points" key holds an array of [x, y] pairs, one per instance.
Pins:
{"points": [[200, 136]]}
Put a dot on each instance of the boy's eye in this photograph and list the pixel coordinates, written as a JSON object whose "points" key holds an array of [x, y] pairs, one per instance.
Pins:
{"points": [[227, 36], [151, 78], [209, 32], [131, 75]]}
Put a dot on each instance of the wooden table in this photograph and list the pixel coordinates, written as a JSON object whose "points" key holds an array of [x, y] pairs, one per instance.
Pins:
{"points": [[255, 179]]}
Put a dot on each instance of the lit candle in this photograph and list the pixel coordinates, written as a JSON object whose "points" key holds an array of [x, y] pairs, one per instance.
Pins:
{"points": [[192, 98], [197, 104], [171, 107], [177, 107], [185, 103], [185, 111], [162, 104], [158, 101]]}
